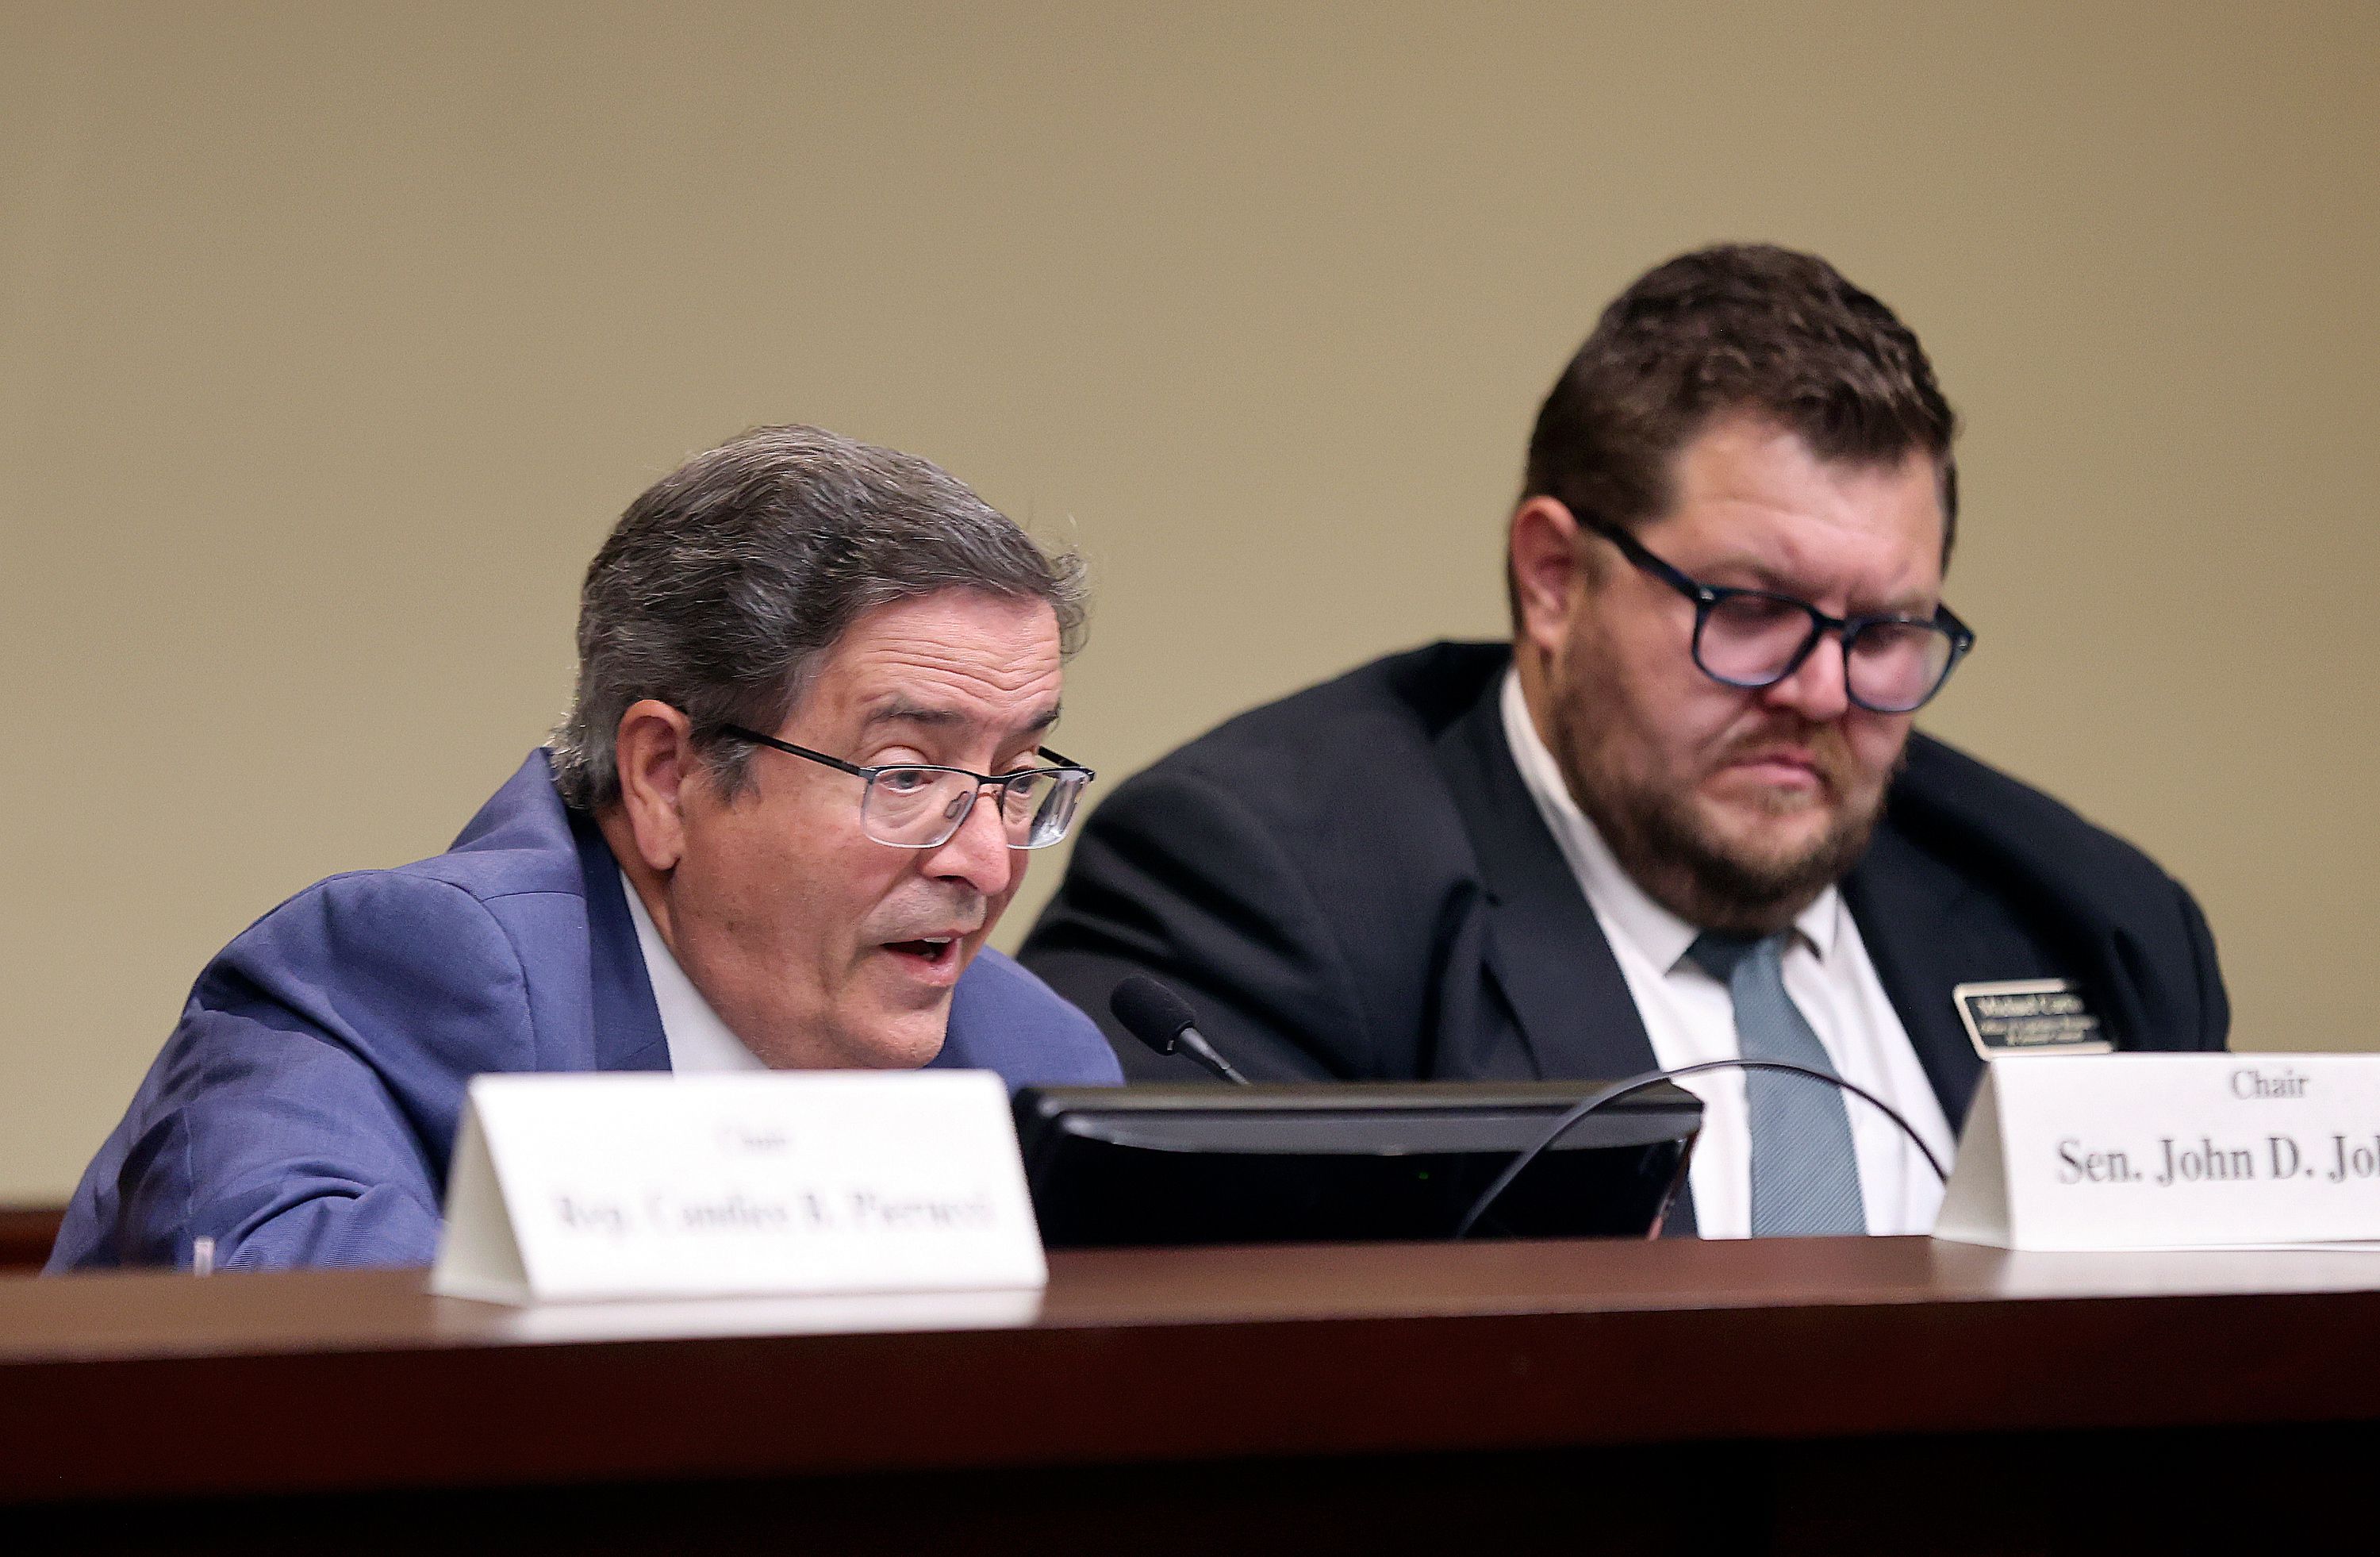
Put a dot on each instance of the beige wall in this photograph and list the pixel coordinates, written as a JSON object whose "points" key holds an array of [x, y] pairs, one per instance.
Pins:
{"points": [[331, 338]]}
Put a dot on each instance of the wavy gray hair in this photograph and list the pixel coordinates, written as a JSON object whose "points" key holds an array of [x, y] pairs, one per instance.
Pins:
{"points": [[722, 587]]}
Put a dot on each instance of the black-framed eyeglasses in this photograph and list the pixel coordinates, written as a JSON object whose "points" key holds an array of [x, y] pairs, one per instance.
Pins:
{"points": [[921, 806], [1750, 638]]}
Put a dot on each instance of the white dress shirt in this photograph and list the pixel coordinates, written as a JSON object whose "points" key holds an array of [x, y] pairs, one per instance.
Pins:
{"points": [[697, 1040], [1690, 1017]]}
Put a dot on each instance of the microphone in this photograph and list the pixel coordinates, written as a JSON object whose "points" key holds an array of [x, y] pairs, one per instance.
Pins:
{"points": [[1620, 1089], [1164, 1021]]}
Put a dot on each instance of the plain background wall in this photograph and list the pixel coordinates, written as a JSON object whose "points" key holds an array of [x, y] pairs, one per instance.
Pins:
{"points": [[334, 337]]}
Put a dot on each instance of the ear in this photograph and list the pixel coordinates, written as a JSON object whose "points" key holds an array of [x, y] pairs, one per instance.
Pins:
{"points": [[654, 747], [1546, 575]]}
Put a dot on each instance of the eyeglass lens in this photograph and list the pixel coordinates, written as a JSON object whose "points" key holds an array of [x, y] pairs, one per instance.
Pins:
{"points": [[921, 808], [1752, 641]]}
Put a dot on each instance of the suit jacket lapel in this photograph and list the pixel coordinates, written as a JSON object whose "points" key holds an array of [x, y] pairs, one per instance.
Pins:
{"points": [[1544, 948], [627, 1023], [1910, 917]]}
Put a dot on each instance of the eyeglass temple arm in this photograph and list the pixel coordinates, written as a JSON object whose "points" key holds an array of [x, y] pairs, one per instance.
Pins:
{"points": [[741, 734], [1635, 553]]}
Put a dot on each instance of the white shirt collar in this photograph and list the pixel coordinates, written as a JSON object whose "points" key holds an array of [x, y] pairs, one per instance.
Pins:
{"points": [[1626, 908], [697, 1040]]}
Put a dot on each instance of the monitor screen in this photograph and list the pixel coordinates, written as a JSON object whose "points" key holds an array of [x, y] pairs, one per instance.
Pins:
{"points": [[1340, 1163]]}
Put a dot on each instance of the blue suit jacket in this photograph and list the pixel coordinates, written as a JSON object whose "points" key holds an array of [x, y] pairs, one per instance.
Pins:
{"points": [[304, 1110]]}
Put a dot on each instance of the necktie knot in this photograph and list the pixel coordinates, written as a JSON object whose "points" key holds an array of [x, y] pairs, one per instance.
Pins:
{"points": [[1719, 953]]}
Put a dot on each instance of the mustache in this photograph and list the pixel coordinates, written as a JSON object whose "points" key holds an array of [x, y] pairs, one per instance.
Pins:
{"points": [[1827, 748], [957, 911]]}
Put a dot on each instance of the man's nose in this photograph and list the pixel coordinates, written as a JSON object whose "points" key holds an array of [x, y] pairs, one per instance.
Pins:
{"points": [[1818, 689], [978, 853]]}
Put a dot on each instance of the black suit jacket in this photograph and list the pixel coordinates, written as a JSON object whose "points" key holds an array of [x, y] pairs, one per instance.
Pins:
{"points": [[1353, 883]]}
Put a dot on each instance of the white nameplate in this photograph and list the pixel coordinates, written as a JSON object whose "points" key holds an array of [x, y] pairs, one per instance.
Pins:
{"points": [[2128, 1151], [570, 1188]]}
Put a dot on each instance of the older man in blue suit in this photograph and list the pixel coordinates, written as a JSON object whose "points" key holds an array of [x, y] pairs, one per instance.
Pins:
{"points": [[758, 840]]}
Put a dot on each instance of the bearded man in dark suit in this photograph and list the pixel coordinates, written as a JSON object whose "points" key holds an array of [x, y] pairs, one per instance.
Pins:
{"points": [[1681, 817]]}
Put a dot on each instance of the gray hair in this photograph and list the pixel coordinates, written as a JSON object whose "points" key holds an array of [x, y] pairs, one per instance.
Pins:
{"points": [[723, 588]]}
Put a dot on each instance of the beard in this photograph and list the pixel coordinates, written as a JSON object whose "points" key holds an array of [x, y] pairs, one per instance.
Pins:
{"points": [[1670, 849]]}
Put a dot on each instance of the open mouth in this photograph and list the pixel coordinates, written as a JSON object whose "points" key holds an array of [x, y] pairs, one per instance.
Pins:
{"points": [[932, 951]]}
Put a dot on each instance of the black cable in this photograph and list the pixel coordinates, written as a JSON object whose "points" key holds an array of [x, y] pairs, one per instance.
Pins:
{"points": [[1619, 1090]]}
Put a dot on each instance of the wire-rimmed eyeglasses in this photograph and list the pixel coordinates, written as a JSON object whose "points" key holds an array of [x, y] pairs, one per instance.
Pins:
{"points": [[922, 806], [1752, 638]]}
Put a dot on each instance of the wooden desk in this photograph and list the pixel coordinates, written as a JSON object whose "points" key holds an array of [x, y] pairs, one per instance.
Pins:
{"points": [[26, 1235], [1818, 1394]]}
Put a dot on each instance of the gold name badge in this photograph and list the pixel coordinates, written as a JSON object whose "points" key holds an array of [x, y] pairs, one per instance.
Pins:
{"points": [[2029, 1017]]}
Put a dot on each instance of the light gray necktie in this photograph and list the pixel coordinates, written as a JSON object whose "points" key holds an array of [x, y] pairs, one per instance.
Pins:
{"points": [[1804, 1176]]}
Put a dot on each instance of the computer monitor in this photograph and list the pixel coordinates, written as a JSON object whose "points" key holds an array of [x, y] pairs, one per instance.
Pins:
{"points": [[1346, 1162]]}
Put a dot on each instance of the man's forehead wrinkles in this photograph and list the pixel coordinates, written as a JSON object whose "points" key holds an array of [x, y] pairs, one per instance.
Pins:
{"points": [[881, 687], [1006, 669], [1810, 556], [896, 708], [1804, 581], [903, 708]]}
